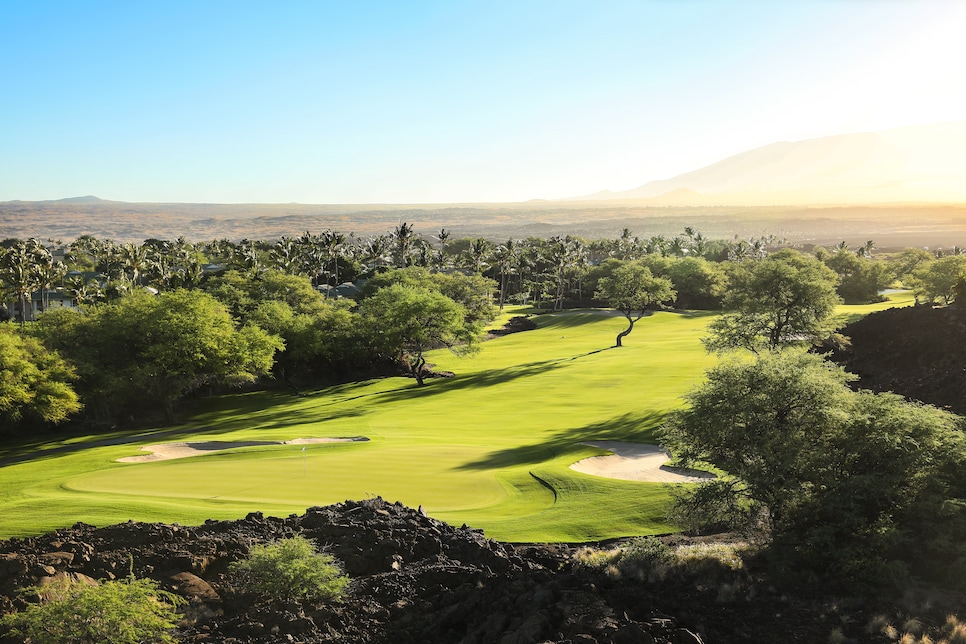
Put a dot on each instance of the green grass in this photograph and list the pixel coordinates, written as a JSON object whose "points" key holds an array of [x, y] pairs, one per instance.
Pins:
{"points": [[851, 312], [490, 447]]}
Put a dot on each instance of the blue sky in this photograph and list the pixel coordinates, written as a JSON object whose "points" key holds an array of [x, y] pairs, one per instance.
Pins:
{"points": [[429, 102]]}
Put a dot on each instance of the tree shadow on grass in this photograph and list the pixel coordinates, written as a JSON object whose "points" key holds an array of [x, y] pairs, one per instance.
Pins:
{"points": [[641, 427], [184, 432], [480, 380]]}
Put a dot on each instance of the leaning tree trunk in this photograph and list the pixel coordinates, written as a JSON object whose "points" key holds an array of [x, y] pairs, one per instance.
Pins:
{"points": [[625, 332], [416, 368]]}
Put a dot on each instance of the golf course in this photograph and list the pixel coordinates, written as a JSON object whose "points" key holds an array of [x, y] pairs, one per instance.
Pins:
{"points": [[490, 447]]}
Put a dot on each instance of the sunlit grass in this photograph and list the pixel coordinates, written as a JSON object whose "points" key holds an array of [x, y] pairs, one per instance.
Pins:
{"points": [[490, 447]]}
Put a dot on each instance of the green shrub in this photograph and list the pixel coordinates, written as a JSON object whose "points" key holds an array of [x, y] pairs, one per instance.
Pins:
{"points": [[650, 559], [647, 551], [129, 611], [290, 569]]}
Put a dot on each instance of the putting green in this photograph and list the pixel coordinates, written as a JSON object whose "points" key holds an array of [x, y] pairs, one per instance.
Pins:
{"points": [[490, 447]]}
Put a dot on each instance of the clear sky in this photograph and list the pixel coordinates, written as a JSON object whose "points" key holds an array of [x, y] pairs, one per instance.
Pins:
{"points": [[451, 101]]}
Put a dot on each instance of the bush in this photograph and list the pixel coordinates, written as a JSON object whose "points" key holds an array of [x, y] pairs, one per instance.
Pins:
{"points": [[290, 570], [650, 559], [129, 611], [647, 551]]}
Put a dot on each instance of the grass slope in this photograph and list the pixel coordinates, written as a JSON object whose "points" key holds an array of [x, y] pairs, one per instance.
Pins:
{"points": [[490, 447]]}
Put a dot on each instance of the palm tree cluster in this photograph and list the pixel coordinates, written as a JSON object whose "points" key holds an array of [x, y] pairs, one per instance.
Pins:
{"points": [[26, 267], [548, 272]]}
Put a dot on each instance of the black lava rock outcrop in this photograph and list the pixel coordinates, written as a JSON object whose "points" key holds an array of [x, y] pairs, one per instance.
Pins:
{"points": [[414, 579], [918, 352]]}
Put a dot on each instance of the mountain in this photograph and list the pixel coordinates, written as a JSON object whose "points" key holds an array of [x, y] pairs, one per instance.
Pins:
{"points": [[84, 199], [925, 163]]}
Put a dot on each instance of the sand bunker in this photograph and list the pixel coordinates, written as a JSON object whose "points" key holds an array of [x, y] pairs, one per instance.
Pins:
{"points": [[168, 451], [636, 462]]}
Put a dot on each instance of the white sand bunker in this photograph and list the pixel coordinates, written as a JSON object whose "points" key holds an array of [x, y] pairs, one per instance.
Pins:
{"points": [[636, 462], [168, 451]]}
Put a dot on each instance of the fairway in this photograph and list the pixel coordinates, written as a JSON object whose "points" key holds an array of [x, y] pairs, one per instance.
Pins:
{"points": [[490, 447]]}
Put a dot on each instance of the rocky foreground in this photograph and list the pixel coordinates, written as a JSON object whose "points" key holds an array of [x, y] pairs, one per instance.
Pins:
{"points": [[918, 352], [414, 579]]}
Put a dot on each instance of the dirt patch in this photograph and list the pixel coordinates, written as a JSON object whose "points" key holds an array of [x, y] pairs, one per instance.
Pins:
{"points": [[636, 462], [168, 451]]}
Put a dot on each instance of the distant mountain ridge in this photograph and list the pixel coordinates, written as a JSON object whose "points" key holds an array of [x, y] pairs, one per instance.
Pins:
{"points": [[84, 199], [925, 163]]}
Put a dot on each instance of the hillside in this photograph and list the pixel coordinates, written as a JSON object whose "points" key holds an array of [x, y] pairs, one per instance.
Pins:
{"points": [[912, 164], [918, 352], [891, 226]]}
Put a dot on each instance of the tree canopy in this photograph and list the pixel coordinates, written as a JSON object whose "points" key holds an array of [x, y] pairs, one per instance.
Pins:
{"points": [[144, 349], [474, 292], [863, 483], [937, 280], [406, 321], [630, 289], [785, 299], [860, 279], [35, 382]]}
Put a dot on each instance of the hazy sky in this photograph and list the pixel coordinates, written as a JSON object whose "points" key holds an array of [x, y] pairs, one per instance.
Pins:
{"points": [[422, 101]]}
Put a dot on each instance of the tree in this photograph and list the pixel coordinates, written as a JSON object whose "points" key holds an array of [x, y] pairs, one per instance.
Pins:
{"points": [[631, 289], [145, 349], [478, 255], [18, 271], [905, 262], [135, 258], [785, 299], [841, 481], [323, 342], [699, 283], [403, 237], [406, 321], [35, 382], [474, 292], [860, 278], [506, 255], [937, 280]]}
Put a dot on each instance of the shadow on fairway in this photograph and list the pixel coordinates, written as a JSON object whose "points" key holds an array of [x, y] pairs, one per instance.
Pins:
{"points": [[639, 427], [480, 380], [269, 419]]}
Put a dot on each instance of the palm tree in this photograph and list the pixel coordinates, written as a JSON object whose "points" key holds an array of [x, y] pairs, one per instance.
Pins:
{"points": [[333, 244], [249, 257], [48, 273], [506, 256], [699, 244], [565, 256], [626, 244], [403, 236], [758, 249], [657, 245], [285, 256], [135, 258], [678, 247], [422, 254], [375, 249], [18, 271], [577, 264], [478, 254], [89, 292], [439, 260], [739, 251]]}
